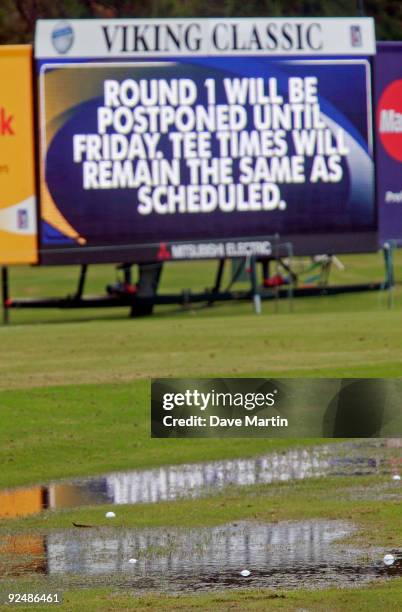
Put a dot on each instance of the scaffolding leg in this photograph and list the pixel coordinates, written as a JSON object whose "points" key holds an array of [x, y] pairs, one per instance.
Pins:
{"points": [[265, 269], [254, 286], [81, 282], [147, 287], [5, 294], [219, 275], [127, 274], [388, 250], [218, 280]]}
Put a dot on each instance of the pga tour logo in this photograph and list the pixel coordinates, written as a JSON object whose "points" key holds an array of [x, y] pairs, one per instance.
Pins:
{"points": [[62, 37], [356, 36], [22, 219]]}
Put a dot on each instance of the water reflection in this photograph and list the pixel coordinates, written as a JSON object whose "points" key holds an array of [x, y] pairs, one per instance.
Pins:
{"points": [[194, 551], [21, 555], [22, 502], [282, 555], [194, 480]]}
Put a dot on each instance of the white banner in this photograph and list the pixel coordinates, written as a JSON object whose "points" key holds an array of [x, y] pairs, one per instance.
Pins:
{"points": [[118, 38]]}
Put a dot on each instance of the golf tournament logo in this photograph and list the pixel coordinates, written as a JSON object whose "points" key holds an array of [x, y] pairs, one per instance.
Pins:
{"points": [[62, 37], [389, 119]]}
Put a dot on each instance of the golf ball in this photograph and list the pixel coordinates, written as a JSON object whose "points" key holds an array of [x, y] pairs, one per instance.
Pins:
{"points": [[396, 477], [132, 561], [245, 573], [389, 559], [110, 515]]}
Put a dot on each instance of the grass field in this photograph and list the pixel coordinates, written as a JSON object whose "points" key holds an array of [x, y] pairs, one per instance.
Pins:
{"points": [[387, 596], [74, 400]]}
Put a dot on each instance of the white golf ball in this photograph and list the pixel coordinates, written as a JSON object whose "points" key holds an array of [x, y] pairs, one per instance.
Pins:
{"points": [[110, 515], [132, 561], [396, 477], [389, 559], [245, 573]]}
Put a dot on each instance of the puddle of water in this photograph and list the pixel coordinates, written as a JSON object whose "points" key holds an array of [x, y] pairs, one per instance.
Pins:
{"points": [[284, 555], [193, 480]]}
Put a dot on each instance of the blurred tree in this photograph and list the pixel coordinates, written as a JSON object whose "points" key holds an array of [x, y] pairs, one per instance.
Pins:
{"points": [[18, 17]]}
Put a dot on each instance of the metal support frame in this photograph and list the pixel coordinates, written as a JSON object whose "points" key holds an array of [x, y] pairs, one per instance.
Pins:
{"points": [[127, 273], [277, 292], [219, 275], [389, 281], [142, 300], [218, 281], [254, 285], [81, 282], [265, 269], [147, 288], [126, 269]]}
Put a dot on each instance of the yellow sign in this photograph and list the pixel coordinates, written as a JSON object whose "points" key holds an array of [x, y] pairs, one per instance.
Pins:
{"points": [[18, 227]]}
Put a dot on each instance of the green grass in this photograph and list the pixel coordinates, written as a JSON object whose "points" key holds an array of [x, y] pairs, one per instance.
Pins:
{"points": [[384, 596], [379, 519], [362, 343]]}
